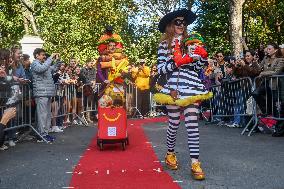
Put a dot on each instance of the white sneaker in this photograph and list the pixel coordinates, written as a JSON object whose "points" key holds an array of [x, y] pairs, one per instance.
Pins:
{"points": [[55, 129], [11, 143], [3, 147], [234, 125], [75, 122]]}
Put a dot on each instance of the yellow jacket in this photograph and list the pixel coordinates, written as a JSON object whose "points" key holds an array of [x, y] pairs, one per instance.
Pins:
{"points": [[141, 77]]}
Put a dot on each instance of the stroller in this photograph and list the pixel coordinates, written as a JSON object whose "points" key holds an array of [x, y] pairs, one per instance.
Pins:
{"points": [[112, 125]]}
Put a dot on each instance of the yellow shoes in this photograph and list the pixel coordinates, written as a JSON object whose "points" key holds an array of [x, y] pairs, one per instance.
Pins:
{"points": [[171, 161], [197, 171]]}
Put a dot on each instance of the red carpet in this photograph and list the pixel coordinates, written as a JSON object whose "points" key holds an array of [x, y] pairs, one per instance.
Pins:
{"points": [[135, 168]]}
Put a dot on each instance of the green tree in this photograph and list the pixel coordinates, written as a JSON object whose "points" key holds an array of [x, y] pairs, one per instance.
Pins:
{"points": [[11, 23], [74, 27], [145, 23], [213, 25], [262, 22]]}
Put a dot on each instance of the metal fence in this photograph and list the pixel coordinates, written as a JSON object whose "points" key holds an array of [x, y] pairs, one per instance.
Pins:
{"points": [[268, 100], [132, 101], [71, 102], [229, 98], [232, 99], [19, 96], [250, 100]]}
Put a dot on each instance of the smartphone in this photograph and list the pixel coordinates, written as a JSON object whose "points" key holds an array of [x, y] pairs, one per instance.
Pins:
{"points": [[27, 80]]}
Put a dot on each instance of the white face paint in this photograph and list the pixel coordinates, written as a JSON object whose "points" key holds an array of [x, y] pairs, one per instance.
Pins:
{"points": [[191, 48]]}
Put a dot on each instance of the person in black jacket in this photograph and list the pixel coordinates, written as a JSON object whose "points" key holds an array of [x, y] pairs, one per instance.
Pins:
{"points": [[6, 117]]}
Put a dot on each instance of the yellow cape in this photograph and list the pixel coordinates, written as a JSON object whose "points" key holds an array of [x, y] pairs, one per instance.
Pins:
{"points": [[168, 100]]}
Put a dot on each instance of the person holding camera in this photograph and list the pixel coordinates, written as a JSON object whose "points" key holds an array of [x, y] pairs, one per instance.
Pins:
{"points": [[43, 89], [5, 74], [248, 67], [141, 75], [221, 62]]}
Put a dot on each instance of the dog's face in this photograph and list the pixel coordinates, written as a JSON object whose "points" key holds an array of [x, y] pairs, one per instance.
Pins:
{"points": [[105, 101]]}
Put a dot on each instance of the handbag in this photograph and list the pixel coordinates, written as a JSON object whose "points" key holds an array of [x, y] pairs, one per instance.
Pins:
{"points": [[174, 93], [161, 81]]}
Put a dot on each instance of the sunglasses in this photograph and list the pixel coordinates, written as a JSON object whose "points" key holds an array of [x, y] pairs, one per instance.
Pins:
{"points": [[179, 22]]}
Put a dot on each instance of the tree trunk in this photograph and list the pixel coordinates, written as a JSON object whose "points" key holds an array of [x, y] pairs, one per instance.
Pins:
{"points": [[278, 30], [236, 7]]}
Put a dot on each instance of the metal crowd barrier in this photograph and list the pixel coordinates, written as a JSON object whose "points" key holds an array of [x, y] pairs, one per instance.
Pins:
{"points": [[21, 94], [64, 103], [131, 101], [89, 100], [268, 93], [67, 98], [154, 107], [229, 98], [72, 101]]}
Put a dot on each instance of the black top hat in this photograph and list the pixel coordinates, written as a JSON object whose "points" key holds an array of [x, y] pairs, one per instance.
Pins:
{"points": [[188, 15]]}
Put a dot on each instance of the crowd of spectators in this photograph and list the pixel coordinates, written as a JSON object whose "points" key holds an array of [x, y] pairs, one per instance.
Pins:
{"points": [[260, 64], [47, 76]]}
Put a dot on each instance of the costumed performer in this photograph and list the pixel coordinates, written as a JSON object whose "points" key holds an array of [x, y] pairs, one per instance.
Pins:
{"points": [[112, 63], [183, 89]]}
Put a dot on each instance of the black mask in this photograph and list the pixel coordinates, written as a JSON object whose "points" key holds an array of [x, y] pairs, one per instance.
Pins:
{"points": [[179, 22]]}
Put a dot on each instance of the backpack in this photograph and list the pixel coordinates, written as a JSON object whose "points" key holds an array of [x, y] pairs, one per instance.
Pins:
{"points": [[267, 125]]}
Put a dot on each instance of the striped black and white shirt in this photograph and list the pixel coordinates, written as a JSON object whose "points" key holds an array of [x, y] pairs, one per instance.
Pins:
{"points": [[184, 79]]}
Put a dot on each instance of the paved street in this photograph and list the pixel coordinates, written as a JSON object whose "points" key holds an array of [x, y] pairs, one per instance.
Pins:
{"points": [[231, 161]]}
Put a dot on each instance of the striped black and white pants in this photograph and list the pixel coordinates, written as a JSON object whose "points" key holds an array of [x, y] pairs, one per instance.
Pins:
{"points": [[191, 124]]}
